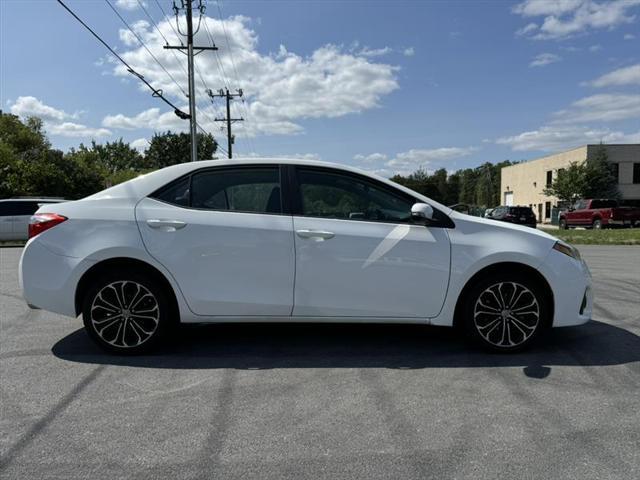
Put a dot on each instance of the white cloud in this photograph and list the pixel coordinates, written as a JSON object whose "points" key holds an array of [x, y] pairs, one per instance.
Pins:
{"points": [[528, 28], [408, 162], [543, 59], [70, 129], [595, 48], [409, 52], [623, 76], [375, 52], [149, 119], [629, 36], [281, 89], [54, 119], [551, 138], [139, 144], [604, 107], [129, 4], [32, 107], [567, 18]]}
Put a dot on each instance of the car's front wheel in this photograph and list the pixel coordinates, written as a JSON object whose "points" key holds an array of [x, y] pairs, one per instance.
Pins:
{"points": [[126, 313], [563, 224], [506, 312]]}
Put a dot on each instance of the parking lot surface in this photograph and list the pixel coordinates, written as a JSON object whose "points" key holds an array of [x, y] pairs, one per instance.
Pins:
{"points": [[325, 401]]}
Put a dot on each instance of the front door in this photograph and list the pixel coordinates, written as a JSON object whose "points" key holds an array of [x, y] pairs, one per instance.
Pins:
{"points": [[358, 254], [222, 235]]}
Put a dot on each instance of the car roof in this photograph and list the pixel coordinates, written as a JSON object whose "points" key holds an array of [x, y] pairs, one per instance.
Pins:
{"points": [[144, 185]]}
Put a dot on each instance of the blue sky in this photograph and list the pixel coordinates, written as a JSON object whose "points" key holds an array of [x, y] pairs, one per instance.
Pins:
{"points": [[390, 86]]}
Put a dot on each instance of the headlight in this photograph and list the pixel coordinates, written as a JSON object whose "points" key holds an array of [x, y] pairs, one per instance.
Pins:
{"points": [[567, 250]]}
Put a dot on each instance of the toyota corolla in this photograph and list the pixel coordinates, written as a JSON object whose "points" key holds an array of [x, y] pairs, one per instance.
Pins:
{"points": [[275, 240]]}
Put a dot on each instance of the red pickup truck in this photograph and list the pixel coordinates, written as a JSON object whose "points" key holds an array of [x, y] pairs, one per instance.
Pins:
{"points": [[599, 213]]}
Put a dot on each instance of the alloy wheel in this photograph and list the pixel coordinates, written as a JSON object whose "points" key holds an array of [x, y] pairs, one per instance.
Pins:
{"points": [[125, 314], [506, 314]]}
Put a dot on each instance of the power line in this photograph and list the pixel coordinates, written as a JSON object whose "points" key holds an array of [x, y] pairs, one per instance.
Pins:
{"points": [[156, 92], [145, 47], [228, 97], [233, 64]]}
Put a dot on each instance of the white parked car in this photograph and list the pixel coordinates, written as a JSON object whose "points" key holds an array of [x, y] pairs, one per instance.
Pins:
{"points": [[289, 240], [15, 214]]}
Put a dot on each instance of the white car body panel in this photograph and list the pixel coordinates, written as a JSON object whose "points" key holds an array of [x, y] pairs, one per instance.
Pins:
{"points": [[256, 267], [370, 269], [227, 263]]}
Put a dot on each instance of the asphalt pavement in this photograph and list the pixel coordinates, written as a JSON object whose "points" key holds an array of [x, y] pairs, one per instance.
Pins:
{"points": [[325, 401]]}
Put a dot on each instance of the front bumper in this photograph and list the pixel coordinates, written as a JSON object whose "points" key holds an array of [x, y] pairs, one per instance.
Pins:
{"points": [[570, 281]]}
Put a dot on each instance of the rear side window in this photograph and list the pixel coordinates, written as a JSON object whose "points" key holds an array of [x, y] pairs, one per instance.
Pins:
{"points": [[253, 190], [604, 204], [522, 211], [176, 193], [18, 208]]}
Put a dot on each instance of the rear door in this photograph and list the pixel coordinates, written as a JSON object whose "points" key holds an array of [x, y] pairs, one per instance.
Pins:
{"points": [[358, 254], [226, 239]]}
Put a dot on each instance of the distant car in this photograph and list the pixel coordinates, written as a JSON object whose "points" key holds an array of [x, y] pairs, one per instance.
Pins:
{"points": [[15, 214], [517, 215], [488, 212], [461, 208], [264, 240], [599, 213]]}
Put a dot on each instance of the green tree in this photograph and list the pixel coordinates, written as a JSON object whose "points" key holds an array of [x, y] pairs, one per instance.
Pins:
{"points": [[599, 178], [485, 185], [569, 184], [171, 148]]}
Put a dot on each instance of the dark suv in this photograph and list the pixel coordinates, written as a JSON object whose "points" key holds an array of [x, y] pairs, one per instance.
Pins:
{"points": [[519, 215]]}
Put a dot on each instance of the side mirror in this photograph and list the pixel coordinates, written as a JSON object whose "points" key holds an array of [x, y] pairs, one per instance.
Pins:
{"points": [[421, 212]]}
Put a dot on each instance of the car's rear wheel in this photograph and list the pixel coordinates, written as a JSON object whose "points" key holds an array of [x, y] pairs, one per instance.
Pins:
{"points": [[126, 313], [506, 312], [563, 224], [597, 224]]}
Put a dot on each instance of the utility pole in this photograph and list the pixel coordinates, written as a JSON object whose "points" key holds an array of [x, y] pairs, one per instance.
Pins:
{"points": [[228, 96], [188, 7]]}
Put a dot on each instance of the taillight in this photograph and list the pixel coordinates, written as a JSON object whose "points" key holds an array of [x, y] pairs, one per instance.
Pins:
{"points": [[43, 221]]}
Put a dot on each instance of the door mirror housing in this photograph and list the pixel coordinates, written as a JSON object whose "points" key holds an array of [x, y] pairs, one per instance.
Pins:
{"points": [[421, 213]]}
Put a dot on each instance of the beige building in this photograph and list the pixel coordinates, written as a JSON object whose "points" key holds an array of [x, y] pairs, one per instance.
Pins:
{"points": [[523, 184]]}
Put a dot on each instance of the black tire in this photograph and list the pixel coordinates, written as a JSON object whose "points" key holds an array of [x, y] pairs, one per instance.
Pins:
{"points": [[487, 321], [563, 224], [597, 224], [127, 313]]}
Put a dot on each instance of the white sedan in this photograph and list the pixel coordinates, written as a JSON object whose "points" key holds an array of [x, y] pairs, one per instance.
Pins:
{"points": [[297, 241]]}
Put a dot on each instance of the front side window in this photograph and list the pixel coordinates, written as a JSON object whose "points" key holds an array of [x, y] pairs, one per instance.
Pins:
{"points": [[334, 195], [636, 173], [255, 190]]}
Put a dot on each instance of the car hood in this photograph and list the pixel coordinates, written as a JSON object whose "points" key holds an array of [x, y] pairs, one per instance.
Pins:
{"points": [[497, 226]]}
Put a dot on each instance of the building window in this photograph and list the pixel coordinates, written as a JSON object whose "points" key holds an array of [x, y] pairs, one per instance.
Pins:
{"points": [[615, 169], [636, 173], [549, 178], [547, 210]]}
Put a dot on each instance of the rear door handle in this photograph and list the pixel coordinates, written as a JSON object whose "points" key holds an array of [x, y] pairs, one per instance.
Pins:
{"points": [[317, 235], [166, 225]]}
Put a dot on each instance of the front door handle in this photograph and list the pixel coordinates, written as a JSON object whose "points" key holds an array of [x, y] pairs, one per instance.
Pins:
{"points": [[166, 225], [317, 235]]}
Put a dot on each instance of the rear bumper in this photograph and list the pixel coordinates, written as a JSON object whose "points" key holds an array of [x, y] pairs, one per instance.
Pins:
{"points": [[49, 280]]}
